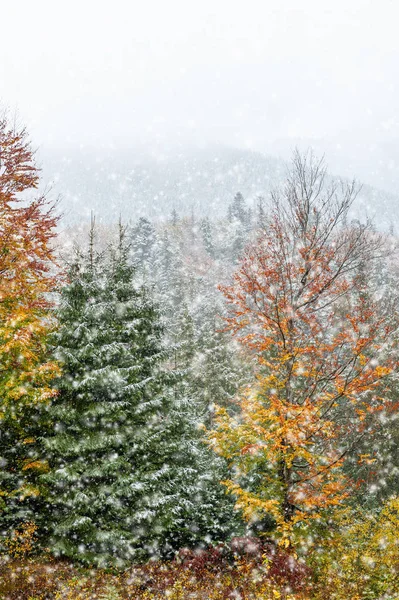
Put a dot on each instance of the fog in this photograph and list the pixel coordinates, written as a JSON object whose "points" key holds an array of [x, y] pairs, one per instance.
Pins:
{"points": [[263, 75]]}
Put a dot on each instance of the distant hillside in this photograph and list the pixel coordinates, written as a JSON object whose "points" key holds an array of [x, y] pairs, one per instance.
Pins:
{"points": [[203, 182]]}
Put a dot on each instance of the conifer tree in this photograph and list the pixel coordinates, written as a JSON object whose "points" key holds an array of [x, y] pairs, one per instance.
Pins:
{"points": [[207, 237], [260, 213], [237, 209], [217, 369], [239, 218], [105, 453], [130, 476], [143, 239]]}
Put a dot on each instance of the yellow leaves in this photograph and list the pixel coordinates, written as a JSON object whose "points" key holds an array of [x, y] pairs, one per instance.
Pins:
{"points": [[277, 436], [16, 393], [28, 491], [362, 555], [365, 459], [316, 346], [252, 507], [22, 541], [381, 371], [27, 266], [40, 466], [270, 383], [285, 542]]}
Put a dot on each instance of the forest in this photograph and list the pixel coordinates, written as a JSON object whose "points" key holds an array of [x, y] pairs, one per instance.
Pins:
{"points": [[198, 406]]}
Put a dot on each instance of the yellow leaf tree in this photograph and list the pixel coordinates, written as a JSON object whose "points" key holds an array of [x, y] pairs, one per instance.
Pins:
{"points": [[302, 304]]}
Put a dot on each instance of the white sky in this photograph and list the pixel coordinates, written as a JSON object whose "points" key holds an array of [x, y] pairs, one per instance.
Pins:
{"points": [[237, 72]]}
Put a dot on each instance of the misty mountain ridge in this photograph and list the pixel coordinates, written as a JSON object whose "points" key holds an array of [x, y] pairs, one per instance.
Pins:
{"points": [[199, 182]]}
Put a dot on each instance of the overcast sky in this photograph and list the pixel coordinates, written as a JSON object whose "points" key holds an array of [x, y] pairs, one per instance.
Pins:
{"points": [[246, 73]]}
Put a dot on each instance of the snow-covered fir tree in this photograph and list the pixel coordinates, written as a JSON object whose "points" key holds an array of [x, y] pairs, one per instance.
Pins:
{"points": [[142, 242], [218, 371], [237, 210], [130, 475], [238, 228], [184, 276], [207, 236]]}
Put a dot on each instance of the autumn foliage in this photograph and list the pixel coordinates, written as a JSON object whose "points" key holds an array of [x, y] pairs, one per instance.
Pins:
{"points": [[27, 268], [360, 556], [322, 347], [214, 574], [303, 305]]}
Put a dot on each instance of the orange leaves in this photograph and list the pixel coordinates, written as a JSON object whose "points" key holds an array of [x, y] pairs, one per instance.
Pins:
{"points": [[27, 280], [26, 258], [251, 449], [301, 303]]}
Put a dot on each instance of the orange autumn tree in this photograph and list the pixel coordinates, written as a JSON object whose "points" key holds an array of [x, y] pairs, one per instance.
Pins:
{"points": [[27, 277], [303, 304]]}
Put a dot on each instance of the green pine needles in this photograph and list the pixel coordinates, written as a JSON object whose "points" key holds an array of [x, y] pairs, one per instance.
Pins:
{"points": [[129, 474]]}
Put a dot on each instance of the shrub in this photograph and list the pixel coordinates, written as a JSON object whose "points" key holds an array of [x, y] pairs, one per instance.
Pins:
{"points": [[22, 541]]}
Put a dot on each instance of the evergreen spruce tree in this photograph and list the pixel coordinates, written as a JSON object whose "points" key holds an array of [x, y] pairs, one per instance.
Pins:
{"points": [[207, 237], [203, 512], [260, 213], [237, 210], [239, 218], [217, 369], [107, 489], [162, 265], [174, 217], [143, 239], [130, 475]]}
